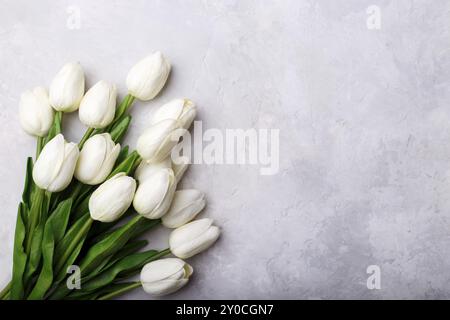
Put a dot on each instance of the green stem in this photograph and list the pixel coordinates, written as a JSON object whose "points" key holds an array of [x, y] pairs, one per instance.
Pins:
{"points": [[5, 291], [86, 136], [161, 254], [39, 146], [123, 107], [118, 292]]}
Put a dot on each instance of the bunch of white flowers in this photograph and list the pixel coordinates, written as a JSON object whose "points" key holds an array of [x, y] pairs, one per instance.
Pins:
{"points": [[64, 221]]}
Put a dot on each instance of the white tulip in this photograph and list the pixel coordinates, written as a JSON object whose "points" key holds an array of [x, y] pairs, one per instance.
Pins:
{"points": [[192, 238], [183, 110], [154, 195], [148, 76], [179, 167], [186, 205], [146, 169], [98, 106], [35, 112], [54, 167], [165, 276], [97, 159], [156, 143], [112, 198], [67, 88]]}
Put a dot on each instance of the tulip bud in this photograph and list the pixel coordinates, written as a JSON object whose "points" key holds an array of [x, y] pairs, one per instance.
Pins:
{"points": [[54, 168], [112, 198], [96, 159], [146, 169], [183, 110], [157, 141], [148, 76], [165, 276], [192, 238], [186, 205], [98, 106], [35, 112], [67, 88], [154, 195]]}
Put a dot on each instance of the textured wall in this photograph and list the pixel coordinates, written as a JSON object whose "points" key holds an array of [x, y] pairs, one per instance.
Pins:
{"points": [[364, 123]]}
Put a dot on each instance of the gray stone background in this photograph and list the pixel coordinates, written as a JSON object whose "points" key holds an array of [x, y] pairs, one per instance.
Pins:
{"points": [[364, 121]]}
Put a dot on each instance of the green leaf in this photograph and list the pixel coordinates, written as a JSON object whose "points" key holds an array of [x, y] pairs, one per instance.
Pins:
{"points": [[69, 243], [45, 278], [108, 292], [120, 128], [53, 232], [128, 249], [28, 187], [123, 107], [70, 260], [20, 257], [108, 246], [127, 166], [123, 154], [60, 219], [81, 204], [103, 230], [131, 272], [62, 291], [37, 216], [130, 263], [144, 226], [83, 296], [116, 290], [100, 230], [35, 253]]}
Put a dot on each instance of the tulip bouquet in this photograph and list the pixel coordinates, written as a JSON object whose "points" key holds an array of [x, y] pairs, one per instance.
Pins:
{"points": [[86, 206]]}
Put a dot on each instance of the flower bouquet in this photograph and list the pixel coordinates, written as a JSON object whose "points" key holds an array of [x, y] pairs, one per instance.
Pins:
{"points": [[85, 207]]}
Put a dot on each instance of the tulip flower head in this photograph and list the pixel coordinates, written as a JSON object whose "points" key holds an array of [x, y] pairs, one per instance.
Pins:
{"points": [[154, 195], [35, 113], [165, 276], [98, 106], [146, 169], [97, 159], [179, 167], [146, 79], [185, 206], [112, 198], [67, 88], [183, 110], [55, 165], [192, 238], [156, 143]]}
